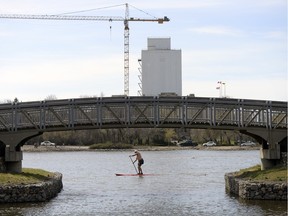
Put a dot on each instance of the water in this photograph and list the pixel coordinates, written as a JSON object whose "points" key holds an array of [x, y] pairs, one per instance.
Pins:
{"points": [[188, 182]]}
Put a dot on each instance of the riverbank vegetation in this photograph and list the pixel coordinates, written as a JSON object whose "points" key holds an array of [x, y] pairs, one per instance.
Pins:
{"points": [[255, 173], [141, 136], [109, 145], [28, 176]]}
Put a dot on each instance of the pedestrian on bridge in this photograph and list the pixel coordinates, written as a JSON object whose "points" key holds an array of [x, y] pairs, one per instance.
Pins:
{"points": [[140, 161]]}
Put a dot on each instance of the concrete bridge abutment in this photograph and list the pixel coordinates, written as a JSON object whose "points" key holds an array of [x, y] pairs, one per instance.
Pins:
{"points": [[271, 141], [12, 152]]}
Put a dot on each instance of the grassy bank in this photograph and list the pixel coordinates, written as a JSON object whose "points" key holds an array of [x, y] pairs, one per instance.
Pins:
{"points": [[255, 173], [109, 145], [28, 176]]}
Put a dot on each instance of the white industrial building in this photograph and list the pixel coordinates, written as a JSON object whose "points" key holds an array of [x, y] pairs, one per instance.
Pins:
{"points": [[161, 68]]}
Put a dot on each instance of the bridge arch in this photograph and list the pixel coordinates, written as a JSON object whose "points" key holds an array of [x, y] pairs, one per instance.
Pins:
{"points": [[262, 119]]}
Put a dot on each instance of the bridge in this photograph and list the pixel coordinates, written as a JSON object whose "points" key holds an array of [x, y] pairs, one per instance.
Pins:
{"points": [[266, 121]]}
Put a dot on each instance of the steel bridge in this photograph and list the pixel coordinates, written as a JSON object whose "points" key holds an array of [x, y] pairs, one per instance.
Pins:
{"points": [[264, 120]]}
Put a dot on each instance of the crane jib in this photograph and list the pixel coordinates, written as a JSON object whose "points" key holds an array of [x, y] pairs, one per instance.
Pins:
{"points": [[126, 20], [57, 17], [96, 18]]}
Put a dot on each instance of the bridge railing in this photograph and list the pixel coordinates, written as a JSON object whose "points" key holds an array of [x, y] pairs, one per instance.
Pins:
{"points": [[116, 112]]}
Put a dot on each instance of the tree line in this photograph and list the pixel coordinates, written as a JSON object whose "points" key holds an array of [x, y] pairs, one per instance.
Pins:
{"points": [[141, 136]]}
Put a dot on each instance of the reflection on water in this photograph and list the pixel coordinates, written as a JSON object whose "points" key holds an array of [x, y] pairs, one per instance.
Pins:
{"points": [[188, 182]]}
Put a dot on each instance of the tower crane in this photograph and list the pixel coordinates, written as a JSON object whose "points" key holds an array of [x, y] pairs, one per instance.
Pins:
{"points": [[126, 21]]}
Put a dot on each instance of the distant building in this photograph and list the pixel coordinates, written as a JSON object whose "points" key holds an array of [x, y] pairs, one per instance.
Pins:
{"points": [[161, 68]]}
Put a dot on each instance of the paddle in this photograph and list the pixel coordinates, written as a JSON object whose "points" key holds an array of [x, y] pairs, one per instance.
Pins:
{"points": [[133, 164]]}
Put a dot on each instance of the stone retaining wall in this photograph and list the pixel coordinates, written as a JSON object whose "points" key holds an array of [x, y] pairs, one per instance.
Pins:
{"points": [[39, 192], [255, 190]]}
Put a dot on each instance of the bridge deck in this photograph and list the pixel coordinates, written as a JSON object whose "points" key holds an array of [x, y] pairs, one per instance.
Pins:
{"points": [[132, 112]]}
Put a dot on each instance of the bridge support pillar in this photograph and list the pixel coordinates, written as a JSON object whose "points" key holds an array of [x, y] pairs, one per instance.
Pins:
{"points": [[13, 153], [270, 153], [14, 167], [270, 157]]}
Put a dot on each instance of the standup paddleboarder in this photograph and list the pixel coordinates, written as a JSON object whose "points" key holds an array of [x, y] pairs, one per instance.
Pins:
{"points": [[140, 161]]}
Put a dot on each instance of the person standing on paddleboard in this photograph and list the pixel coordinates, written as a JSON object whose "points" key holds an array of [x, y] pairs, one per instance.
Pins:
{"points": [[140, 161]]}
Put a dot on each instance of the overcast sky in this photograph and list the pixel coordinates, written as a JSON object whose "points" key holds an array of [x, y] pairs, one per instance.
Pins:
{"points": [[240, 42]]}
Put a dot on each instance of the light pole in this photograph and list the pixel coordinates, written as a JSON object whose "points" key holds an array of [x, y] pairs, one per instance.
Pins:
{"points": [[224, 84], [220, 88]]}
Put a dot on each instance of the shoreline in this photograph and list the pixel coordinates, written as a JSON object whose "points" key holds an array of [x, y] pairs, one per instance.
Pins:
{"points": [[249, 189], [31, 148], [42, 191]]}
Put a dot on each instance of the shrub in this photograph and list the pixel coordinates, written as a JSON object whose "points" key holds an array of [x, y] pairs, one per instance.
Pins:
{"points": [[110, 145]]}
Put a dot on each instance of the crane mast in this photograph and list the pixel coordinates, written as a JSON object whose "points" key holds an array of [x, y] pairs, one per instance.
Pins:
{"points": [[126, 52], [126, 21]]}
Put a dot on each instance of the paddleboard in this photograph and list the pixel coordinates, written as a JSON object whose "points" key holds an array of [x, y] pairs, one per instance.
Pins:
{"points": [[123, 174]]}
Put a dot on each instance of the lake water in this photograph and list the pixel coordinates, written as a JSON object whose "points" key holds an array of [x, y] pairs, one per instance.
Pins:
{"points": [[186, 182]]}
